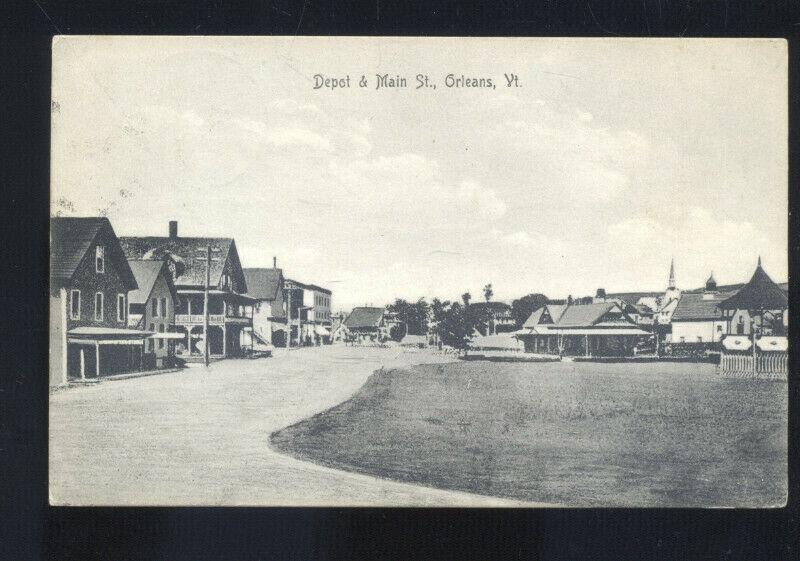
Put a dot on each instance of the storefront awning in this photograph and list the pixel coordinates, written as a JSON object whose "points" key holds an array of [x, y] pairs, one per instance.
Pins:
{"points": [[107, 334], [168, 336], [771, 343], [322, 331], [737, 342]]}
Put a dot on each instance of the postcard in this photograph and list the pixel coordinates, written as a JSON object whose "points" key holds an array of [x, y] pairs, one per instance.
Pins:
{"points": [[473, 272]]}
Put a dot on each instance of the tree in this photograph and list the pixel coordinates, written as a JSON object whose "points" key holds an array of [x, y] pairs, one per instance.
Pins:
{"points": [[413, 315], [455, 322], [488, 292], [397, 332], [522, 308]]}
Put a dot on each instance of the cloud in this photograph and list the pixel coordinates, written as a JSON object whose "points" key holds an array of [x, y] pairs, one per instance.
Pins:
{"points": [[700, 240], [573, 157], [482, 199], [293, 136], [291, 106]]}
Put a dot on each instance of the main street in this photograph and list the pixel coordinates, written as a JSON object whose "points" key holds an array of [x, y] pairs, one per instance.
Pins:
{"points": [[201, 436]]}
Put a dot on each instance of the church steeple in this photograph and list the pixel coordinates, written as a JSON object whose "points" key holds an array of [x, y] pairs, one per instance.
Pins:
{"points": [[671, 285], [711, 283]]}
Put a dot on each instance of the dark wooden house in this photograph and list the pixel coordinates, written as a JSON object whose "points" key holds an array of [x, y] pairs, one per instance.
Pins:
{"points": [[230, 308], [89, 284]]}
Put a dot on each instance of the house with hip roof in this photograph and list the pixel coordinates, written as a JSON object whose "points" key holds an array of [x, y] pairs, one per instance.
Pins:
{"points": [[90, 280], [269, 313], [151, 307], [229, 305]]}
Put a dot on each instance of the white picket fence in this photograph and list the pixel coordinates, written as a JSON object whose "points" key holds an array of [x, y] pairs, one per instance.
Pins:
{"points": [[771, 365]]}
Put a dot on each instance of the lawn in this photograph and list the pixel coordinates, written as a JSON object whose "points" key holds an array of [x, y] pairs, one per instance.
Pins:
{"points": [[577, 434]]}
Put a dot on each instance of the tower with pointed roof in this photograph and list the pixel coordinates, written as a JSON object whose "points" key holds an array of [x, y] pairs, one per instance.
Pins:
{"points": [[672, 293], [671, 285], [711, 285]]}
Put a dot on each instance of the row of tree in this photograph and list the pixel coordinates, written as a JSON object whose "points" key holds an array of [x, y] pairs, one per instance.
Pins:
{"points": [[455, 322]]}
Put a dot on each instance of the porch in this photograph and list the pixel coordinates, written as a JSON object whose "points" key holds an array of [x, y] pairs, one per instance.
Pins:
{"points": [[229, 315], [587, 343], [95, 352]]}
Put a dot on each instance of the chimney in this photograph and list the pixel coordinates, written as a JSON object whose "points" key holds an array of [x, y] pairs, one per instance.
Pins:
{"points": [[274, 262], [173, 229]]}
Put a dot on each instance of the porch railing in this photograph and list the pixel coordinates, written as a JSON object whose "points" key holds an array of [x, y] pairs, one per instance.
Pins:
{"points": [[198, 318]]}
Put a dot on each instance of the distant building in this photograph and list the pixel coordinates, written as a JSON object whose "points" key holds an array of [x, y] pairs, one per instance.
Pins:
{"points": [[269, 313], [761, 304], [229, 306], [151, 307], [365, 323], [499, 318], [339, 332], [589, 330], [309, 313], [89, 284], [697, 317]]}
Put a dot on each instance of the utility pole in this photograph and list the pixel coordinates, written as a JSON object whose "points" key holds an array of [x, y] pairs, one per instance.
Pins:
{"points": [[289, 317], [753, 334], [205, 306]]}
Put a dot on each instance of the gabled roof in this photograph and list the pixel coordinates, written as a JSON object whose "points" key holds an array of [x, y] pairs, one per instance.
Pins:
{"points": [[146, 272], [191, 252], [71, 238], [533, 319], [578, 315], [692, 306], [364, 317], [263, 283], [584, 315], [760, 293], [556, 311]]}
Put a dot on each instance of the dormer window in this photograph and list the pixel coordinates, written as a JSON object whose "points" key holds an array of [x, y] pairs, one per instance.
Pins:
{"points": [[100, 259]]}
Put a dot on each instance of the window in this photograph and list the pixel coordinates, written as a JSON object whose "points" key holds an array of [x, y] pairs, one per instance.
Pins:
{"points": [[161, 341], [151, 344], [154, 306], [120, 307], [98, 306], [75, 304], [164, 307], [100, 259]]}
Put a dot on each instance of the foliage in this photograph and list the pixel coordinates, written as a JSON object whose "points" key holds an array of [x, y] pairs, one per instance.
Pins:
{"points": [[397, 332], [413, 314], [456, 322], [488, 292], [522, 308]]}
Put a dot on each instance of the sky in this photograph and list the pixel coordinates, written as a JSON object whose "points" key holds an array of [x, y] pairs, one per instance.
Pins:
{"points": [[607, 158]]}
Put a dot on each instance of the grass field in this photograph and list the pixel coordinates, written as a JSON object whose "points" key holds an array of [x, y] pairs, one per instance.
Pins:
{"points": [[577, 434]]}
